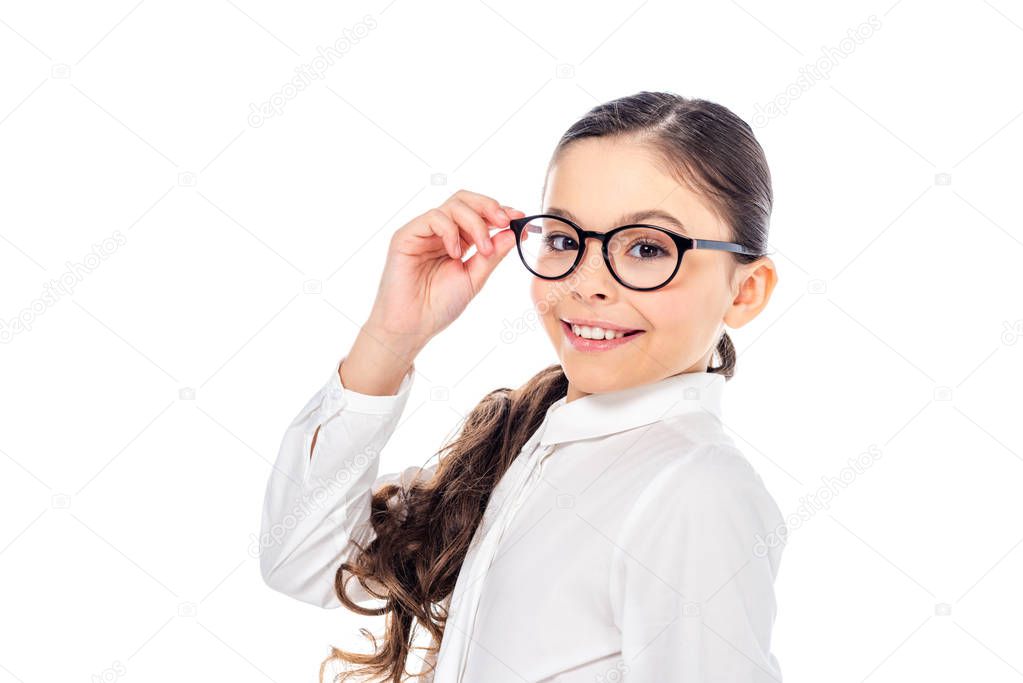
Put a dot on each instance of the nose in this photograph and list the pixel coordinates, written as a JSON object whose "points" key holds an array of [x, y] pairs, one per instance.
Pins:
{"points": [[592, 279]]}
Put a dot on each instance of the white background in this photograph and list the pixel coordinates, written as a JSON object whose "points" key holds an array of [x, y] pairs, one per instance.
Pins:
{"points": [[241, 259]]}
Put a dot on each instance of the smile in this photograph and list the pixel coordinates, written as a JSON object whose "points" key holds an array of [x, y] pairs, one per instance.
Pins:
{"points": [[585, 338]]}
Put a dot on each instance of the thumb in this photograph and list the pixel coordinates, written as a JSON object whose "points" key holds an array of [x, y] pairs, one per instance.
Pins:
{"points": [[480, 266]]}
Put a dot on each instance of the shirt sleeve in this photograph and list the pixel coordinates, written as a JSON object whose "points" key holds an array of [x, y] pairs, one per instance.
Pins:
{"points": [[692, 580], [318, 500]]}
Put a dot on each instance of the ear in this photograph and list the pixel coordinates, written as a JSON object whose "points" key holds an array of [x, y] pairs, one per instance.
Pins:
{"points": [[754, 283]]}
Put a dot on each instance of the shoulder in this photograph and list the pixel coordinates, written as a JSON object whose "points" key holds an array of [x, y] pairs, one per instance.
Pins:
{"points": [[704, 522], [713, 485], [679, 434], [714, 467]]}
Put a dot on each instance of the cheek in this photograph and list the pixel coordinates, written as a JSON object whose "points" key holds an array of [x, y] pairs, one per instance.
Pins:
{"points": [[537, 288], [545, 294], [676, 313], [666, 310], [540, 291]]}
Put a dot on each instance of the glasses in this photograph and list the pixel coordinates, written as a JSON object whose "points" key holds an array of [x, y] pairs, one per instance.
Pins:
{"points": [[639, 256]]}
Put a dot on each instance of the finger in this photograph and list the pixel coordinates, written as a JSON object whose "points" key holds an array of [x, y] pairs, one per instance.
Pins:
{"points": [[513, 213], [438, 224], [484, 206], [473, 224], [479, 266]]}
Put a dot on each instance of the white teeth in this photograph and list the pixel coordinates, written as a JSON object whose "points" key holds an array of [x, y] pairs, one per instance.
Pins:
{"points": [[595, 332]]}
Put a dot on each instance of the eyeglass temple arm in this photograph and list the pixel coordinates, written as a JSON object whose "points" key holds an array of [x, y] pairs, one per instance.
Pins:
{"points": [[722, 246]]}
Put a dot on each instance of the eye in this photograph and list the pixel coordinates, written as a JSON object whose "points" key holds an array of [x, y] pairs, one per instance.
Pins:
{"points": [[648, 249], [557, 242]]}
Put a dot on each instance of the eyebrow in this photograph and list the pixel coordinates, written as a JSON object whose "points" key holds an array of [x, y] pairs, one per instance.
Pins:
{"points": [[634, 217]]}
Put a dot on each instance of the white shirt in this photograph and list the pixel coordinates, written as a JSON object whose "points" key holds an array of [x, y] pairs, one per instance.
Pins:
{"points": [[626, 542]]}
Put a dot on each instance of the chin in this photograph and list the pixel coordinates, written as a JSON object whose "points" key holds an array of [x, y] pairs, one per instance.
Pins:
{"points": [[591, 378]]}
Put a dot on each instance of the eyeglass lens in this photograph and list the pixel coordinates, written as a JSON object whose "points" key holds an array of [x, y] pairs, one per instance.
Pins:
{"points": [[641, 257]]}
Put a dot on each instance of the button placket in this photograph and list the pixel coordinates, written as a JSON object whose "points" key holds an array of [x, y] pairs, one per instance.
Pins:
{"points": [[531, 458], [537, 459], [545, 454], [496, 533], [522, 493]]}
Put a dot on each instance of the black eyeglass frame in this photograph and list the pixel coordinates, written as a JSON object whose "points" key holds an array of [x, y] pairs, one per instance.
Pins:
{"points": [[682, 243]]}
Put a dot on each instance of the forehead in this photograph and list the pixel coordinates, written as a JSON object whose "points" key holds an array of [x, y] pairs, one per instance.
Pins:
{"points": [[599, 180]]}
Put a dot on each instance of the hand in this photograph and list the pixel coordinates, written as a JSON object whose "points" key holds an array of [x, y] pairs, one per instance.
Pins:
{"points": [[426, 285]]}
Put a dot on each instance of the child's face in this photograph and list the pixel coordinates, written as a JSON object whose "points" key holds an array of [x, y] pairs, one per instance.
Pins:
{"points": [[598, 181]]}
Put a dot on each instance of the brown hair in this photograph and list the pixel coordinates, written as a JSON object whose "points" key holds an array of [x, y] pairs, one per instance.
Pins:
{"points": [[422, 529]]}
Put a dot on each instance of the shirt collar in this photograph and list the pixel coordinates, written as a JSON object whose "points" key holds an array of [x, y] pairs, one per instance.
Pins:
{"points": [[596, 415]]}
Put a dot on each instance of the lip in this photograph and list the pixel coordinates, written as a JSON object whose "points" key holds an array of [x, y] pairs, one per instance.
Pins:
{"points": [[603, 324], [596, 344]]}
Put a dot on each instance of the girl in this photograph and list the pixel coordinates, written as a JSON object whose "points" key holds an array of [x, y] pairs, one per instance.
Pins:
{"points": [[597, 523]]}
